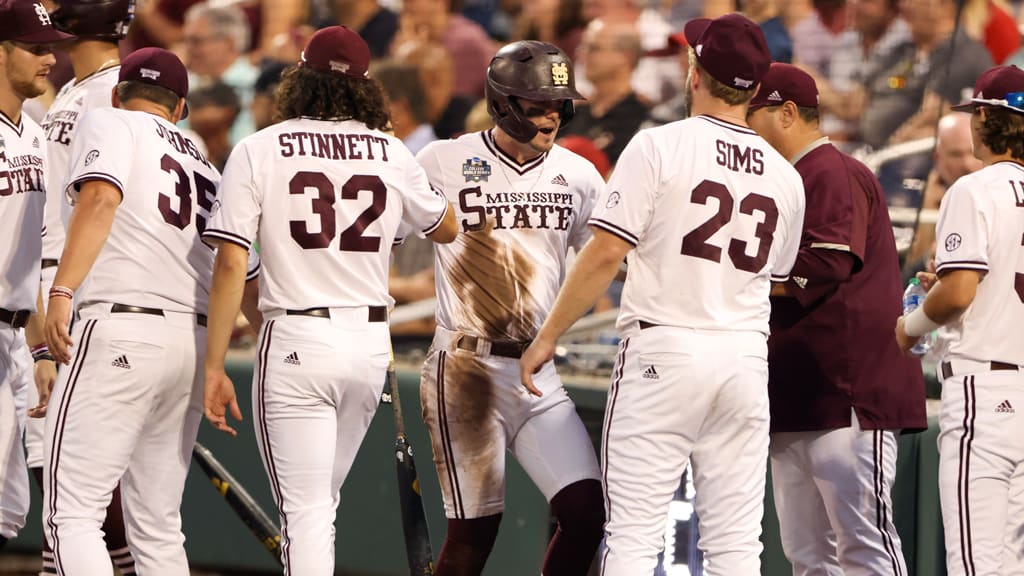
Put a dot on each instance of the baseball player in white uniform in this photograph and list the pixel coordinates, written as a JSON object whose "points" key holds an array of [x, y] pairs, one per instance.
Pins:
{"points": [[97, 25], [978, 300], [129, 404], [708, 214], [523, 202], [325, 193], [26, 34]]}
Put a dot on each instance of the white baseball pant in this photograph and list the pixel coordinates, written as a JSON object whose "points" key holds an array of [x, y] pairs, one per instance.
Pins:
{"points": [[316, 386], [127, 409], [833, 497], [15, 377], [476, 410], [981, 470], [679, 394]]}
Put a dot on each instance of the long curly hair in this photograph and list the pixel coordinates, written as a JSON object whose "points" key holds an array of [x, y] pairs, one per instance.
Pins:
{"points": [[304, 92], [1003, 131]]}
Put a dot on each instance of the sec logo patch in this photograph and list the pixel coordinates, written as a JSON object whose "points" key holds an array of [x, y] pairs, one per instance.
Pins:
{"points": [[953, 242], [613, 199]]}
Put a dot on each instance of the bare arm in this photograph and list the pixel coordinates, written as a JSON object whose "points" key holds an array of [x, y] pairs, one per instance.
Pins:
{"points": [[448, 229], [229, 269], [251, 304], [594, 269]]}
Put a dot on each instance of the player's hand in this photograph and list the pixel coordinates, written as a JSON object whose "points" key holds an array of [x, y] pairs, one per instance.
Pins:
{"points": [[218, 393], [539, 353], [58, 316], [45, 374], [905, 342], [927, 280]]}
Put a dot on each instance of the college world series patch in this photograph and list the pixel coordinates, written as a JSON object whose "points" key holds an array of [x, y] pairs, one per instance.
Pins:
{"points": [[476, 170]]}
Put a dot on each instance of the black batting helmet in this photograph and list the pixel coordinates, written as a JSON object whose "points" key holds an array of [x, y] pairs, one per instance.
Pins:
{"points": [[98, 19], [530, 70]]}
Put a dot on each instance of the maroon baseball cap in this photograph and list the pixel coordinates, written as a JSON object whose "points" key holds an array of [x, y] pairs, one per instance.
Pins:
{"points": [[1001, 86], [28, 22], [785, 82], [338, 50], [731, 48], [158, 67]]}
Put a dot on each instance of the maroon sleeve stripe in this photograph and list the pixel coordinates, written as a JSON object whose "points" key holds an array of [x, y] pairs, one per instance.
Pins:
{"points": [[90, 176], [430, 229], [254, 273], [616, 230], [777, 278], [965, 264], [227, 236]]}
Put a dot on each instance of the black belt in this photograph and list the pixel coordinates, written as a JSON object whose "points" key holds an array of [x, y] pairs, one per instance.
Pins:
{"points": [[374, 313], [50, 262], [16, 318], [498, 348], [120, 308], [947, 367]]}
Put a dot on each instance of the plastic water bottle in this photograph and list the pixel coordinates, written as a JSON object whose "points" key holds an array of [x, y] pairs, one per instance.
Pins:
{"points": [[913, 297]]}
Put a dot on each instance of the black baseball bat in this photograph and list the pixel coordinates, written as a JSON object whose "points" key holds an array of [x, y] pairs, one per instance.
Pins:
{"points": [[240, 501], [414, 519]]}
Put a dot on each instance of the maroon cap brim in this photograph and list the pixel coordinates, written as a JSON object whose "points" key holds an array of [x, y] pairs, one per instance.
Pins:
{"points": [[44, 36], [694, 29], [965, 107]]}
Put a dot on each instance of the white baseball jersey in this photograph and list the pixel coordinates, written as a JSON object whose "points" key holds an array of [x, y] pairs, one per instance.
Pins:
{"points": [[500, 276], [72, 102], [153, 257], [22, 200], [712, 211], [327, 199], [980, 227]]}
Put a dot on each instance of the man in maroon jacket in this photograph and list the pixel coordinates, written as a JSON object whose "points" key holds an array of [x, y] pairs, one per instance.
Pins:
{"points": [[839, 388]]}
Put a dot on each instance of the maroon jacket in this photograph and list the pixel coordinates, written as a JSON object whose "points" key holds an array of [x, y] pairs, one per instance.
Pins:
{"points": [[832, 346]]}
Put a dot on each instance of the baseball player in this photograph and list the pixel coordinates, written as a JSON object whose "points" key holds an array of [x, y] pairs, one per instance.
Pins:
{"points": [[838, 387], [522, 203], [326, 193], [26, 35], [98, 25], [129, 405], [978, 301], [707, 214]]}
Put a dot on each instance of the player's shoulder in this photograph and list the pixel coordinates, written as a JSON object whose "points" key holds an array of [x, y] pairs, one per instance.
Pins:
{"points": [[978, 184], [579, 167]]}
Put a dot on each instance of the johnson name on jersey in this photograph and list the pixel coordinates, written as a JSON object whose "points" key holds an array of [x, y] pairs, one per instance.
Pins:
{"points": [[500, 276], [154, 256], [22, 200]]}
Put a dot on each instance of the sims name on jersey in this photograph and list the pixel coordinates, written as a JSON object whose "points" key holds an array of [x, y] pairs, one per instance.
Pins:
{"points": [[333, 146], [739, 158]]}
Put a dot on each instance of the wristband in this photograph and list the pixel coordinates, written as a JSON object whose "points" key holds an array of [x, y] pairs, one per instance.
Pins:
{"points": [[41, 352], [42, 357], [62, 292], [917, 323]]}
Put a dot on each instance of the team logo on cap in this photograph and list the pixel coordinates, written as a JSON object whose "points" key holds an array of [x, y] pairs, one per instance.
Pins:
{"points": [[476, 170], [337, 66], [560, 73], [741, 83], [149, 73], [44, 16], [953, 242]]}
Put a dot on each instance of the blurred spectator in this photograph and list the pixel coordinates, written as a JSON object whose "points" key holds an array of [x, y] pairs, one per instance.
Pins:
{"points": [[404, 89], [876, 30], [911, 87], [814, 38], [161, 22], [991, 23], [468, 45], [216, 38], [766, 14], [585, 147], [612, 113], [559, 22], [262, 107], [954, 158], [376, 24], [479, 119], [212, 111], [677, 107], [445, 112]]}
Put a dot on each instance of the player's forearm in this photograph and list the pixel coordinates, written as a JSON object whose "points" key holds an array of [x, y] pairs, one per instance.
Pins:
{"points": [[251, 304], [594, 269], [229, 269], [951, 296], [34, 333], [87, 232]]}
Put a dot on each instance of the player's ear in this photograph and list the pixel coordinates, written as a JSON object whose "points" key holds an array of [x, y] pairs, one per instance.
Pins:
{"points": [[114, 100], [788, 113], [179, 110]]}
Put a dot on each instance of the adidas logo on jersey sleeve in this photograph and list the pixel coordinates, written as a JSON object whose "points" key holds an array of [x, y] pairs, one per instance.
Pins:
{"points": [[651, 373]]}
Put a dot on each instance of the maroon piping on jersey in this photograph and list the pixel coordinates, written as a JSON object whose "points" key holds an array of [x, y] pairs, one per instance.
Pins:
{"points": [[62, 417], [615, 230], [964, 478], [268, 456], [507, 159], [613, 395]]}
